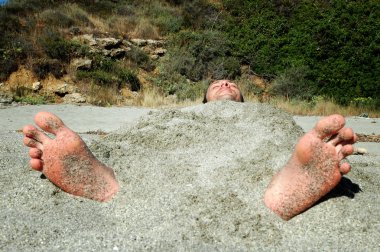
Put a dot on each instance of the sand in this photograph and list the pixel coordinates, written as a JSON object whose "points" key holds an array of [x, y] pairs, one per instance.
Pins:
{"points": [[192, 179]]}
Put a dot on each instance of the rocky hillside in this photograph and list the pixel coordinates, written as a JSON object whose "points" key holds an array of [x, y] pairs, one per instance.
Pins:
{"points": [[66, 88], [116, 52]]}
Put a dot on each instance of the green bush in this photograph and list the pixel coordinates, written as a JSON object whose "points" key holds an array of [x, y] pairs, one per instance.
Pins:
{"points": [[140, 58], [364, 102], [224, 68], [335, 39], [57, 47], [56, 18], [98, 76], [27, 95], [129, 78], [182, 88], [80, 17], [42, 67], [293, 83], [7, 66], [107, 72], [31, 99], [13, 54], [199, 56], [166, 18], [199, 14]]}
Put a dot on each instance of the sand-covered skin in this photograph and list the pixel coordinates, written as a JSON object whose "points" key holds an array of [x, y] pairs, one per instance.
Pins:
{"points": [[191, 179]]}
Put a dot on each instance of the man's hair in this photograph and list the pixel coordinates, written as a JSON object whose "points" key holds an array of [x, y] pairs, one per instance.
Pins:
{"points": [[205, 96]]}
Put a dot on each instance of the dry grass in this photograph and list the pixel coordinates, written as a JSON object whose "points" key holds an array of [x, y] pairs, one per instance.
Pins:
{"points": [[121, 25], [153, 97], [145, 30], [321, 107], [100, 96], [99, 23]]}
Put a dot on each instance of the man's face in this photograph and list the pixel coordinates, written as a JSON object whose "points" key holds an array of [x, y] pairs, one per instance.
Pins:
{"points": [[223, 90]]}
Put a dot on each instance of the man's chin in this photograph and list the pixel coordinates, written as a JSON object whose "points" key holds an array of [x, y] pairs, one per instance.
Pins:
{"points": [[227, 98]]}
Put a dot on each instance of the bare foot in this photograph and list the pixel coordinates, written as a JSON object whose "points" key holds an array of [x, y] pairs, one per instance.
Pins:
{"points": [[66, 160], [314, 169]]}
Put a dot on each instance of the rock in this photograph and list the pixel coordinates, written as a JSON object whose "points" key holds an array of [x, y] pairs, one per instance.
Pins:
{"points": [[109, 43], [117, 53], [87, 39], [160, 52], [64, 89], [155, 43], [5, 98], [75, 30], [139, 42], [74, 98], [127, 93], [126, 43], [360, 151], [81, 64], [36, 86]]}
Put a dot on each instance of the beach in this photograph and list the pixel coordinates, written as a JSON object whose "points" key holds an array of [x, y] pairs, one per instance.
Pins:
{"points": [[192, 179]]}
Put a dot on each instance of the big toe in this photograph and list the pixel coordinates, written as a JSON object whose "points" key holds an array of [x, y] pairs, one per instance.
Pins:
{"points": [[329, 125], [49, 122]]}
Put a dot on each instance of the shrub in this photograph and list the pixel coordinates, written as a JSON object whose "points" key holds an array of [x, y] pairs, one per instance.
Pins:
{"points": [[12, 55], [199, 56], [31, 99], [166, 18], [56, 18], [107, 72], [98, 76], [7, 66], [224, 68], [293, 83], [199, 14], [128, 77], [56, 47], [364, 102], [42, 67], [27, 95], [145, 30], [140, 58], [78, 14]]}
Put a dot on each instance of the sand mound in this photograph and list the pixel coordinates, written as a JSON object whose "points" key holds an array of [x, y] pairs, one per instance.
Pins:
{"points": [[192, 179]]}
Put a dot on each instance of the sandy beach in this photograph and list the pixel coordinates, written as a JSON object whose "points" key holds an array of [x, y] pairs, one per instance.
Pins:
{"points": [[192, 179]]}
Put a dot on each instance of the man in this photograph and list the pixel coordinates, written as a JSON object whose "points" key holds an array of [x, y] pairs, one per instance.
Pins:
{"points": [[313, 170], [223, 90]]}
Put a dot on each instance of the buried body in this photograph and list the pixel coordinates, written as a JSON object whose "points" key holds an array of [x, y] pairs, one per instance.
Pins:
{"points": [[223, 144]]}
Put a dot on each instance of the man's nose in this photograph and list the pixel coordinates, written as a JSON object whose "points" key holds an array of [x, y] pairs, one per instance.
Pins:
{"points": [[226, 83]]}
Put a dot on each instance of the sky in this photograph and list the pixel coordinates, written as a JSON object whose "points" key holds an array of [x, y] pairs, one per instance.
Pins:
{"points": [[3, 1]]}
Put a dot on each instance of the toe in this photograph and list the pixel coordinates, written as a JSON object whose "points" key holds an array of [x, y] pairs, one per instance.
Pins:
{"points": [[30, 142], [33, 133], [48, 122], [36, 164], [35, 153], [344, 136], [345, 168], [28, 130], [345, 151], [347, 135], [329, 126]]}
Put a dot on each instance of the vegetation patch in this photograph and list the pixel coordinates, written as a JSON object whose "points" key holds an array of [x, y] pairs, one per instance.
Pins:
{"points": [[305, 51]]}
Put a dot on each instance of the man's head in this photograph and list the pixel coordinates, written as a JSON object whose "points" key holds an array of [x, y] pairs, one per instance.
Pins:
{"points": [[223, 90]]}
